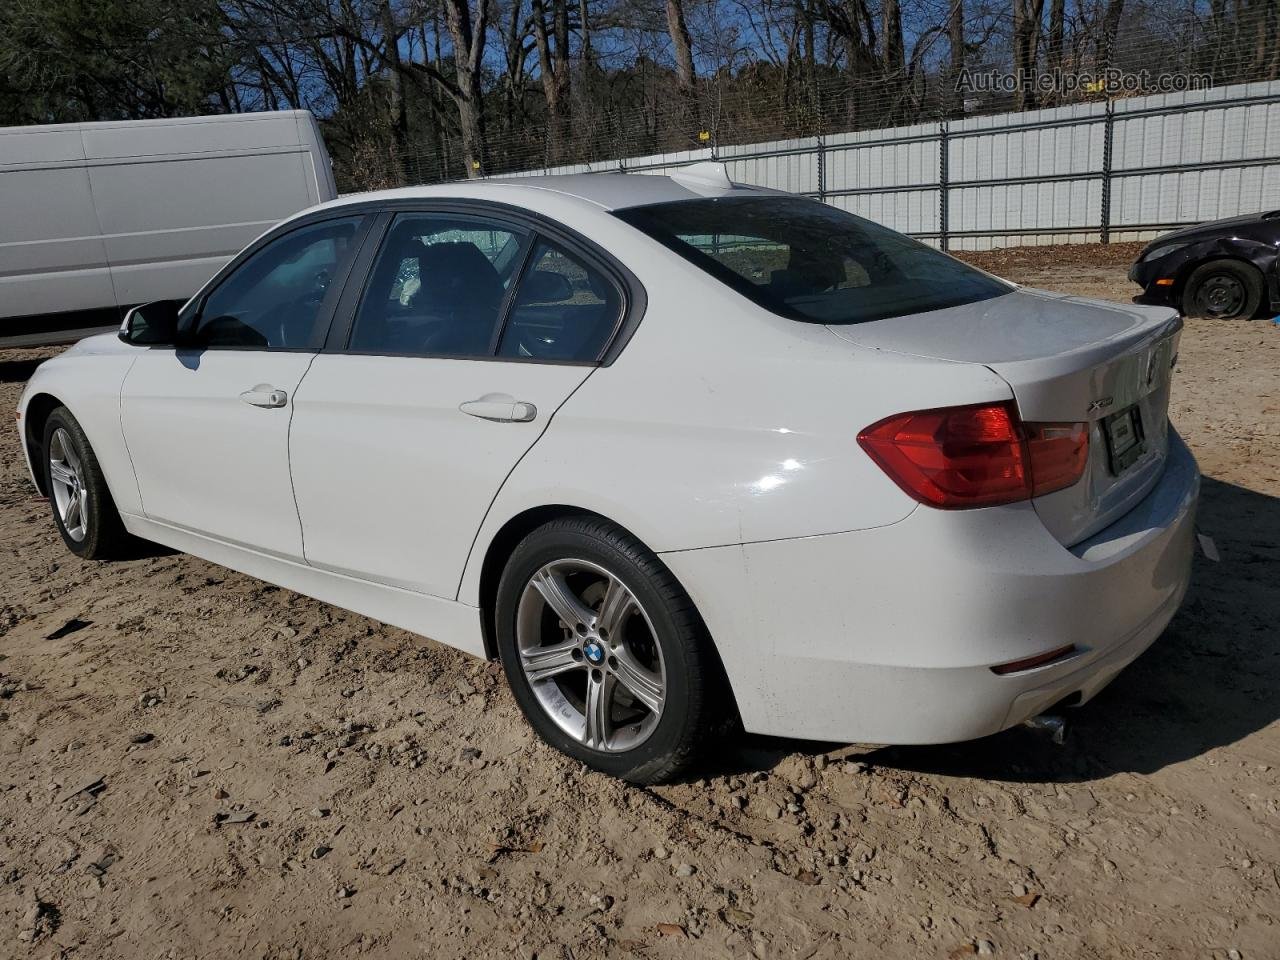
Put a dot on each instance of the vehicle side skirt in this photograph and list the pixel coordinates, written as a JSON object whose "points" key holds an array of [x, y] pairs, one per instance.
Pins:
{"points": [[449, 622]]}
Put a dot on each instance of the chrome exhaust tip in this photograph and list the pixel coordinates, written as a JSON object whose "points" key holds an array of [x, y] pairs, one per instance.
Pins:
{"points": [[1049, 724]]}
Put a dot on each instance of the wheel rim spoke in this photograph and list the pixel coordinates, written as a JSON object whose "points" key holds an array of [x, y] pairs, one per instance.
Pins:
{"points": [[72, 458], [61, 473], [555, 591], [614, 609], [72, 518], [596, 730], [543, 663], [642, 683]]}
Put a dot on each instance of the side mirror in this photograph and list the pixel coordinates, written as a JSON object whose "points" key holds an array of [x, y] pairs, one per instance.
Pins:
{"points": [[151, 325]]}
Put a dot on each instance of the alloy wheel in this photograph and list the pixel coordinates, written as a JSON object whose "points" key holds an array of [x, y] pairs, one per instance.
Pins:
{"points": [[66, 476], [590, 654]]}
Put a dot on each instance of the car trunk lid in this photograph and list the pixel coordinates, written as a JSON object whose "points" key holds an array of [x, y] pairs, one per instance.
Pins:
{"points": [[1067, 359]]}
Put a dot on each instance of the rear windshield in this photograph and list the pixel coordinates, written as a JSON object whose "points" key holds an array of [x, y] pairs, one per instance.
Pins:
{"points": [[810, 261]]}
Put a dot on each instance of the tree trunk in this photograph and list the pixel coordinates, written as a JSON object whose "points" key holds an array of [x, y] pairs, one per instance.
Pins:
{"points": [[513, 83], [1057, 33], [588, 56], [955, 64], [891, 55], [679, 31], [554, 67], [1027, 15], [468, 54], [397, 114], [1110, 27]]}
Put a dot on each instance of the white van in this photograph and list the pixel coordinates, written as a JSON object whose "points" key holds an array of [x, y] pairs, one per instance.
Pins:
{"points": [[97, 217]]}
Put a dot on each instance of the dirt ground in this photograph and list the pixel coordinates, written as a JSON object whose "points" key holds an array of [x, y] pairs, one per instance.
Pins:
{"points": [[196, 764]]}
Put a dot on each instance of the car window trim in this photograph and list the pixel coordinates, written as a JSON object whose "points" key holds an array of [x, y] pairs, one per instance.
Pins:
{"points": [[541, 239], [633, 296], [355, 282], [190, 316], [525, 255], [339, 340]]}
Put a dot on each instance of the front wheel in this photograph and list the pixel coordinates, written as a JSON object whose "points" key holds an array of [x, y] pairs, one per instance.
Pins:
{"points": [[605, 652], [1224, 290], [83, 510]]}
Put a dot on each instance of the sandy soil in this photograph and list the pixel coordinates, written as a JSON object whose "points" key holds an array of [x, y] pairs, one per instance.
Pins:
{"points": [[196, 764]]}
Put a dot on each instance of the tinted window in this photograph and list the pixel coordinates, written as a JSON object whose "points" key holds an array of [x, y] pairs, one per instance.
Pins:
{"points": [[273, 299], [810, 261], [564, 309], [437, 287]]}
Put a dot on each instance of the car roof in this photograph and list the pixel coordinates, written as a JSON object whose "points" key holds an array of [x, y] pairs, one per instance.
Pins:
{"points": [[610, 191]]}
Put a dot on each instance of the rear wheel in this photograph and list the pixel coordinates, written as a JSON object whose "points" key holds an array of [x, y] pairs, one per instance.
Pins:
{"points": [[605, 653], [1224, 290], [83, 510]]}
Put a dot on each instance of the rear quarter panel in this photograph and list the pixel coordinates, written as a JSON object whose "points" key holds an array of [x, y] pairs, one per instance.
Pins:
{"points": [[721, 423]]}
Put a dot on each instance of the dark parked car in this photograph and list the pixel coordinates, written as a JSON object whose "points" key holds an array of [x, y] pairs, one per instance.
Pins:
{"points": [[1225, 268]]}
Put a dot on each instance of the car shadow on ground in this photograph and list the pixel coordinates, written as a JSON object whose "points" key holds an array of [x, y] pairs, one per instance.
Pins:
{"points": [[1209, 681]]}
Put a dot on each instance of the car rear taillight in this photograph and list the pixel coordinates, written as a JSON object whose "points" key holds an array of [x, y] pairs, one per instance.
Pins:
{"points": [[976, 456], [1058, 453]]}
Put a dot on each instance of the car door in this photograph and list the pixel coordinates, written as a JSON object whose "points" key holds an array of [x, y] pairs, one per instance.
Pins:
{"points": [[207, 424], [468, 335]]}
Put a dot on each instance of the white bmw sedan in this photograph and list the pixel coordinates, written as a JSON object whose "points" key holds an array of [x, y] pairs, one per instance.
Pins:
{"points": [[682, 454]]}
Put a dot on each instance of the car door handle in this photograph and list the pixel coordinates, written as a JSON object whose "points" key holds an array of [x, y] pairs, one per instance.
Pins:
{"points": [[265, 395], [499, 407]]}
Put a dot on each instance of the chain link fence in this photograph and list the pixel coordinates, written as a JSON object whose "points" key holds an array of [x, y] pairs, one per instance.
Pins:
{"points": [[1119, 151]]}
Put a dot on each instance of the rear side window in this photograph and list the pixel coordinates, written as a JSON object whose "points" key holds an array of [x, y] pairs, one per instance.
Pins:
{"points": [[809, 261], [564, 309], [438, 287]]}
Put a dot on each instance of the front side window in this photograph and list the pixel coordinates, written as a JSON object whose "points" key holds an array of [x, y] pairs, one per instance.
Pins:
{"points": [[273, 299], [809, 261], [437, 287], [564, 309]]}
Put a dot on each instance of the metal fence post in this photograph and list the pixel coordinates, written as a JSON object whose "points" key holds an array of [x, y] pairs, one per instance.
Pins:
{"points": [[1104, 222], [822, 170], [943, 178]]}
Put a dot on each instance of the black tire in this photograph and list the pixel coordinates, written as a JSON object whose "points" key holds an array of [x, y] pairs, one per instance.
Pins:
{"points": [[697, 711], [102, 535], [1223, 290]]}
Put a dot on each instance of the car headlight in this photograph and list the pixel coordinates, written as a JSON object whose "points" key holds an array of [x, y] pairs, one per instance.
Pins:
{"points": [[1162, 251]]}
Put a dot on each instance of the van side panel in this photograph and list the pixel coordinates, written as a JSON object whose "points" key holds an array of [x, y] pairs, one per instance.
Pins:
{"points": [[50, 248], [176, 203], [99, 215], [169, 224], [319, 161]]}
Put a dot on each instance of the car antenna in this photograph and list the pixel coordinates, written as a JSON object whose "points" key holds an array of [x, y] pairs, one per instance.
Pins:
{"points": [[707, 175]]}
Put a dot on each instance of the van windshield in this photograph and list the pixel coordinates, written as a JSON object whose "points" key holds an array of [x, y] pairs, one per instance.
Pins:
{"points": [[810, 261]]}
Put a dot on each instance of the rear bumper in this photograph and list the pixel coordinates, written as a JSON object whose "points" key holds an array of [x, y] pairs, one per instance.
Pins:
{"points": [[889, 635]]}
